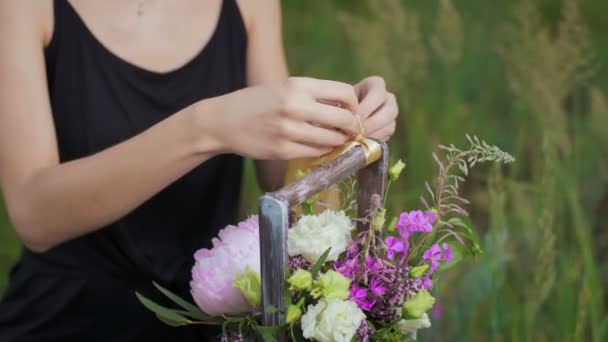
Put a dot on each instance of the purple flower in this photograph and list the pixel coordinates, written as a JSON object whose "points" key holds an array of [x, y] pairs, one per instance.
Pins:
{"points": [[447, 252], [399, 287], [359, 296], [367, 305], [433, 255], [394, 245], [348, 267], [371, 264], [415, 221], [298, 261], [357, 292], [352, 250], [377, 287], [364, 332], [427, 282]]}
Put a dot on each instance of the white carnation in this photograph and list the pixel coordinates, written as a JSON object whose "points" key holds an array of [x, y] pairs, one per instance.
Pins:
{"points": [[332, 321], [312, 235], [410, 326]]}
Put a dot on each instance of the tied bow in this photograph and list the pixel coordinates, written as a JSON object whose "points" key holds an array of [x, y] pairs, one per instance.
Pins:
{"points": [[370, 147]]}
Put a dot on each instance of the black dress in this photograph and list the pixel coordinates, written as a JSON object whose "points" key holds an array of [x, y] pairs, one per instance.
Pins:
{"points": [[83, 290]]}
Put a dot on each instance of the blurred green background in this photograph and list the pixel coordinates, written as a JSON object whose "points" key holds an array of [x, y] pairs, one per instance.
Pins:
{"points": [[525, 75]]}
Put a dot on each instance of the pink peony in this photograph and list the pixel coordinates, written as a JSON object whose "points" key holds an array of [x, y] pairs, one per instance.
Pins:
{"points": [[236, 248]]}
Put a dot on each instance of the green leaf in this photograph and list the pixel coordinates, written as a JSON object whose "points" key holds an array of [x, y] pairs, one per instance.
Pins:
{"points": [[459, 252], [307, 208], [457, 221], [169, 322], [296, 332], [469, 233], [225, 328], [164, 314], [267, 337], [231, 321], [267, 332], [317, 266], [191, 310]]}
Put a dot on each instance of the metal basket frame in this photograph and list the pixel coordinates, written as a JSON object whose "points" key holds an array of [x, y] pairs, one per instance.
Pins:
{"points": [[274, 218]]}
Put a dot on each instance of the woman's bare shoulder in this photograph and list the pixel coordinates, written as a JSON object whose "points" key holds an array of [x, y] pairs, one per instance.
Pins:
{"points": [[37, 15], [254, 10]]}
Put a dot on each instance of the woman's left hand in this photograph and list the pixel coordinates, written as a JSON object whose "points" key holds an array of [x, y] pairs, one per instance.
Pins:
{"points": [[378, 109]]}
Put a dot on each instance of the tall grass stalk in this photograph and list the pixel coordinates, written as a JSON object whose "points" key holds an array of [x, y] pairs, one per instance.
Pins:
{"points": [[538, 280]]}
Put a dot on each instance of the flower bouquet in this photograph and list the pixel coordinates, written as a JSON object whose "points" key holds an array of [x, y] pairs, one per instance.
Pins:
{"points": [[346, 276]]}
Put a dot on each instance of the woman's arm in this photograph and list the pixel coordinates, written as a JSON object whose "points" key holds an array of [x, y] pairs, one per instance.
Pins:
{"points": [[265, 64], [50, 202]]}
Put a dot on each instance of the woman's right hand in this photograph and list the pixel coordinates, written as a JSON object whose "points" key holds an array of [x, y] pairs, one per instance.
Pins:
{"points": [[300, 117]]}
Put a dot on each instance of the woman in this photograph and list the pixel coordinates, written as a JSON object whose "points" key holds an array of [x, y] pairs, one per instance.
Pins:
{"points": [[122, 130]]}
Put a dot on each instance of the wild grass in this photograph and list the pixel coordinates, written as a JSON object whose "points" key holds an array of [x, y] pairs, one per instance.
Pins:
{"points": [[539, 278]]}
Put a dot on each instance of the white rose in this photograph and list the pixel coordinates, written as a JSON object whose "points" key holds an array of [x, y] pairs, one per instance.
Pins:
{"points": [[410, 326], [332, 321], [312, 235]]}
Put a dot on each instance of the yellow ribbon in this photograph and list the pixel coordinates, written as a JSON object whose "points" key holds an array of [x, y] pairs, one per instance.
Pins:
{"points": [[371, 148]]}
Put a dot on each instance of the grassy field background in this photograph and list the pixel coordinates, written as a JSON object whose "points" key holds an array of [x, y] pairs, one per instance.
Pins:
{"points": [[526, 75]]}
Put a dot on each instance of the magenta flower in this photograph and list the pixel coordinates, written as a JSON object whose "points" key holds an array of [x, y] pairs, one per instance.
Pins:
{"points": [[433, 255], [360, 296], [348, 267], [427, 282], [357, 293], [377, 287], [352, 250], [213, 273], [371, 264], [415, 221], [447, 252], [394, 245]]}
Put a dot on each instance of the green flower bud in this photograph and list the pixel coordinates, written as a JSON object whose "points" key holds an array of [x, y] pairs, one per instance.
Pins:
{"points": [[300, 280], [293, 313], [332, 285], [248, 283], [420, 303], [391, 226], [476, 249], [379, 220], [419, 271], [395, 170]]}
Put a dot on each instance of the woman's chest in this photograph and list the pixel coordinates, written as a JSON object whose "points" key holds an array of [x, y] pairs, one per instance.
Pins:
{"points": [[159, 36]]}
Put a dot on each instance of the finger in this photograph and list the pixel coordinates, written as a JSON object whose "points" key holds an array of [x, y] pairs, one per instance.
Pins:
{"points": [[305, 133], [326, 116], [365, 84], [386, 114], [294, 150], [330, 91], [373, 97], [384, 133]]}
